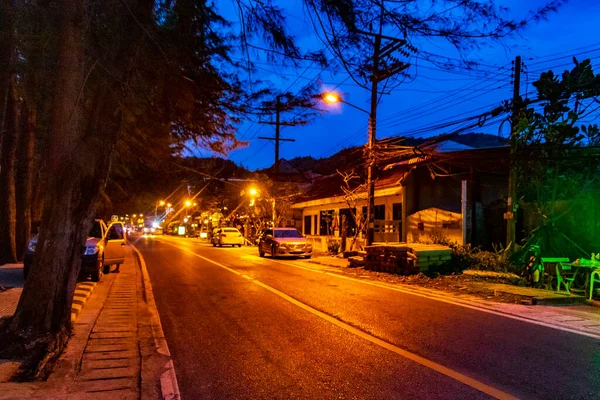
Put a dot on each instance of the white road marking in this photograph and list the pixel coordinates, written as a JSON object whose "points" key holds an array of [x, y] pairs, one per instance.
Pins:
{"points": [[444, 299], [466, 380]]}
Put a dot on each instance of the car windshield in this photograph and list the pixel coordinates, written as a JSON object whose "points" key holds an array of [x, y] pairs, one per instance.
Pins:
{"points": [[287, 233], [230, 230], [96, 230]]}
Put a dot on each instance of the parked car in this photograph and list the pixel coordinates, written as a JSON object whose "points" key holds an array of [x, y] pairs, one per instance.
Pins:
{"points": [[227, 236], [104, 247], [283, 242]]}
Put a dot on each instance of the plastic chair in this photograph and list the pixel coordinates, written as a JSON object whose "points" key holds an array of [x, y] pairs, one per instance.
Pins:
{"points": [[594, 278], [565, 277]]}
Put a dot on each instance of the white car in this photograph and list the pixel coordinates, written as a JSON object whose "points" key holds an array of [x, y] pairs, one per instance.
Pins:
{"points": [[227, 236], [104, 246]]}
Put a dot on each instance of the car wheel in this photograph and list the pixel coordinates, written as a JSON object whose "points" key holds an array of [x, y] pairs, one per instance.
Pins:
{"points": [[260, 252], [97, 274], [106, 269], [214, 244], [307, 257], [220, 244], [273, 251]]}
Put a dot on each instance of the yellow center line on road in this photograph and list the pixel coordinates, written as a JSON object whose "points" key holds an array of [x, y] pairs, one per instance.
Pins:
{"points": [[471, 382]]}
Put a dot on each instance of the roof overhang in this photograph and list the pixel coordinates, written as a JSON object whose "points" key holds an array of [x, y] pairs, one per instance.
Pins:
{"points": [[390, 191]]}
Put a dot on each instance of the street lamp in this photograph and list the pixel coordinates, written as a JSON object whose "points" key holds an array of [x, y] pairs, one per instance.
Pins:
{"points": [[188, 203], [253, 192], [331, 98], [161, 203]]}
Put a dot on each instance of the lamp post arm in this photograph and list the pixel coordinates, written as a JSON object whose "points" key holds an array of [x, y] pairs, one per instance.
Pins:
{"points": [[357, 107]]}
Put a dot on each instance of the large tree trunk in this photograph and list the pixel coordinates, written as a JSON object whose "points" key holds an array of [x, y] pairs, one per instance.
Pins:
{"points": [[8, 210], [44, 310], [7, 136], [76, 170], [6, 57], [24, 184]]}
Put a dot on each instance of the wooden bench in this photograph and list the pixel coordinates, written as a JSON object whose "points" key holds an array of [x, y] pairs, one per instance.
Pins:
{"points": [[553, 266]]}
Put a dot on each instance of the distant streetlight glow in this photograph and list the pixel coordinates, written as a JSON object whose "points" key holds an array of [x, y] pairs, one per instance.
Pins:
{"points": [[188, 203], [134, 215], [141, 215], [253, 192], [162, 203], [169, 205]]}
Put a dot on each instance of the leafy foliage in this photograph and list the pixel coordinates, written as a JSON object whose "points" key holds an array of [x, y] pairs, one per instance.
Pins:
{"points": [[558, 162]]}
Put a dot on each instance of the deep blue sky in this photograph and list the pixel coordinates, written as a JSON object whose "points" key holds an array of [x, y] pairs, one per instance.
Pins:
{"points": [[433, 95]]}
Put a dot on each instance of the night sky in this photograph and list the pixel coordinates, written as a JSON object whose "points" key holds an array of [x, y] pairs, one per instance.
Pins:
{"points": [[427, 97]]}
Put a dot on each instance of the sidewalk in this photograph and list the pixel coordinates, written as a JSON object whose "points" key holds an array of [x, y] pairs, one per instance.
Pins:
{"points": [[581, 318], [118, 349]]}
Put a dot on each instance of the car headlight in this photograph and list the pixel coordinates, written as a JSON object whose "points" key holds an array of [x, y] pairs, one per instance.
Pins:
{"points": [[90, 250], [31, 246]]}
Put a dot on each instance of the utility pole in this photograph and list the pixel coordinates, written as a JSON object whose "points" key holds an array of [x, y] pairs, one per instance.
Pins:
{"points": [[371, 144], [512, 177], [278, 124], [378, 74]]}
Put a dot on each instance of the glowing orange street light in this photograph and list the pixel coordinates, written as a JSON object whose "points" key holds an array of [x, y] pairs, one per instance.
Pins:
{"points": [[162, 203], [188, 203], [253, 192], [330, 97], [169, 205]]}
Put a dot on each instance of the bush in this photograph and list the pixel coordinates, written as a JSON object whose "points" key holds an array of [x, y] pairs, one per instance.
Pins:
{"points": [[466, 257], [333, 247]]}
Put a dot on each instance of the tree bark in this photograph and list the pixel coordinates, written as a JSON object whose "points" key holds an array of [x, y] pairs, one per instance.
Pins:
{"points": [[24, 183], [6, 55], [8, 211], [76, 170], [7, 136], [45, 305]]}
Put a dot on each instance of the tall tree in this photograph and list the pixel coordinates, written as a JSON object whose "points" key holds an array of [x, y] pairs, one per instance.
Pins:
{"points": [[557, 153], [9, 121]]}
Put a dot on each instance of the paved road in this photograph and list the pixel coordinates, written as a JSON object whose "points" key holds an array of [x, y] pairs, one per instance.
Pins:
{"points": [[240, 326]]}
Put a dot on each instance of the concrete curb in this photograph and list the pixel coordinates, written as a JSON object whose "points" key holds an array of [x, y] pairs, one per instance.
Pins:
{"points": [[168, 379], [83, 291]]}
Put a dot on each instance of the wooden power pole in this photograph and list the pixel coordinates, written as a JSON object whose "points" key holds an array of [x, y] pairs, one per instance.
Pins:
{"points": [[510, 215], [278, 124], [378, 74]]}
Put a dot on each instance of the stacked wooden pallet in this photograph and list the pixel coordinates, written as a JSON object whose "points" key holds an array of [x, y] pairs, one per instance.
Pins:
{"points": [[405, 259]]}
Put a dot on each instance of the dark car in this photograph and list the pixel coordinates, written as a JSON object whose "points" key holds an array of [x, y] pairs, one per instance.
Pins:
{"points": [[284, 242]]}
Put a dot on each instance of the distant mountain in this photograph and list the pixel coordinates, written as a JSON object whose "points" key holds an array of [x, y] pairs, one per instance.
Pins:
{"points": [[352, 157], [475, 140]]}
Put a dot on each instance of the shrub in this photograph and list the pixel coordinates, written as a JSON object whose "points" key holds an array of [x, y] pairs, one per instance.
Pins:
{"points": [[466, 257], [333, 247]]}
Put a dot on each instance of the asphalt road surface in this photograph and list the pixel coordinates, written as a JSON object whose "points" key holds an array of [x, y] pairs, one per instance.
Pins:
{"points": [[239, 326]]}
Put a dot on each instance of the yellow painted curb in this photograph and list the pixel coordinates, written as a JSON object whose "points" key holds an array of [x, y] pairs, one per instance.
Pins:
{"points": [[83, 292]]}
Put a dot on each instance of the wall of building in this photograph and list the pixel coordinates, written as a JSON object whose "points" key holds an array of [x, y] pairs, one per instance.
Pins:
{"points": [[314, 212], [434, 223]]}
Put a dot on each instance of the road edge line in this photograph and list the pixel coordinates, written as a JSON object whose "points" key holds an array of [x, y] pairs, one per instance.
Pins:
{"points": [[168, 379], [450, 300]]}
